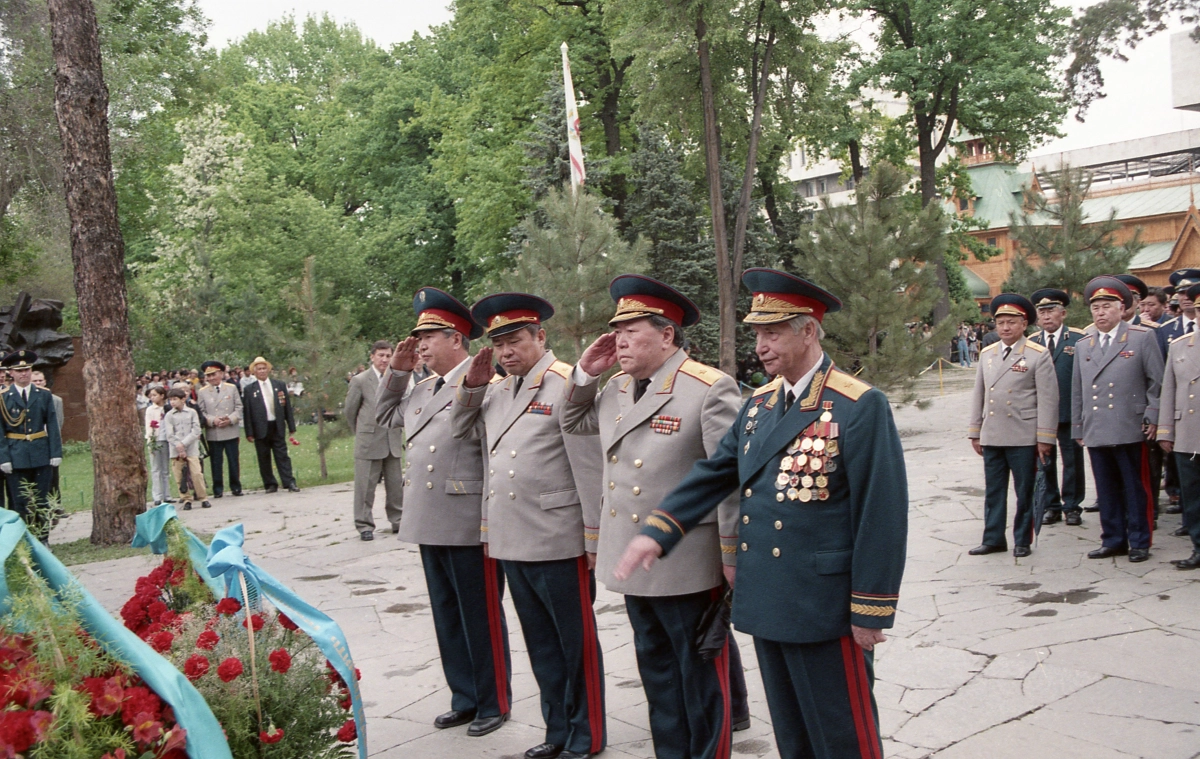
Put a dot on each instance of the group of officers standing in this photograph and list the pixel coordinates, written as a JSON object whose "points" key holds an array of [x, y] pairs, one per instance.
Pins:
{"points": [[664, 485], [1124, 389]]}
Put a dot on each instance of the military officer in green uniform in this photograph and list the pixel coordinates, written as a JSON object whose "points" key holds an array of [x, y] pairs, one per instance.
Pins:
{"points": [[30, 448], [817, 460], [655, 418]]}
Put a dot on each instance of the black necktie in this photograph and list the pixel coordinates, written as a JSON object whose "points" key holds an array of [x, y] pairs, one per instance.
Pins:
{"points": [[1007, 350], [788, 400], [517, 385], [640, 389], [1191, 327], [441, 382], [1050, 343]]}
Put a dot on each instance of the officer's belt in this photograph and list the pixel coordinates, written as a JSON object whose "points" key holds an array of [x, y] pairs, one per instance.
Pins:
{"points": [[26, 438]]}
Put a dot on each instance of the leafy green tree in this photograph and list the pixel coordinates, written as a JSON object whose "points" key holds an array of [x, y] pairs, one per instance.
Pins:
{"points": [[877, 254], [1056, 245]]}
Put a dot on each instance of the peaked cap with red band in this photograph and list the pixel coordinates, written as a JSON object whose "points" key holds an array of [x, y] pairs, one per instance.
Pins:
{"points": [[779, 296], [507, 312], [1012, 304], [1108, 288], [638, 297], [436, 309]]}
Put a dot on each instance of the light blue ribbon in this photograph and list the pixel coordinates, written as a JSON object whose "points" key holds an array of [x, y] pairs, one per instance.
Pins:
{"points": [[205, 739], [226, 559], [152, 531]]}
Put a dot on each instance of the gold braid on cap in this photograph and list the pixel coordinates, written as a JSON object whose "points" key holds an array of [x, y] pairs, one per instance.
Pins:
{"points": [[633, 306], [427, 319], [769, 304], [500, 320]]}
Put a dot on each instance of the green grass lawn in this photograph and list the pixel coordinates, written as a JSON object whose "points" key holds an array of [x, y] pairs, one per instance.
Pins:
{"points": [[76, 475]]}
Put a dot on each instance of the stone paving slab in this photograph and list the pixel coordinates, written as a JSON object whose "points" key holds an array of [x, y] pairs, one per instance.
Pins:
{"points": [[992, 657]]}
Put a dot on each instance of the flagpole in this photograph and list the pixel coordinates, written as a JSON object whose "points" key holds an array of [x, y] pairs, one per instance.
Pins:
{"points": [[574, 145]]}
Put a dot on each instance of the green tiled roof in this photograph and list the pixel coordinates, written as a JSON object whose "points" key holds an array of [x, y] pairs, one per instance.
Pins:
{"points": [[1152, 254], [976, 284]]}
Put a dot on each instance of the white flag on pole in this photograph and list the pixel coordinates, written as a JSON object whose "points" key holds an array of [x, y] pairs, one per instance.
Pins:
{"points": [[578, 175]]}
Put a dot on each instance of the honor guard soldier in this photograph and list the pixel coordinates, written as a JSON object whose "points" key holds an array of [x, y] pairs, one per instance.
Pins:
{"points": [[816, 458], [540, 487], [1179, 431], [221, 409], [1059, 340], [30, 448], [655, 418], [443, 495], [1014, 422], [1114, 399]]}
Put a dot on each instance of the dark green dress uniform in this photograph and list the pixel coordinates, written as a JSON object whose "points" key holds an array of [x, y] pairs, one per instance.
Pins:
{"points": [[822, 532], [30, 440]]}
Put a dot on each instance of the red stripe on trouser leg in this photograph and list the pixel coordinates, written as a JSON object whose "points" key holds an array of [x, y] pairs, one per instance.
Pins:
{"points": [[496, 631], [860, 699], [1148, 488], [591, 662], [722, 665]]}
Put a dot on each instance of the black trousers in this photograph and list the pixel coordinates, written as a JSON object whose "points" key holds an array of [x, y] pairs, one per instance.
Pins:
{"points": [[274, 445], [554, 602], [41, 479], [1155, 458], [1172, 476], [688, 697], [820, 697], [1188, 466], [1122, 475], [220, 451], [466, 590], [998, 463], [1074, 488]]}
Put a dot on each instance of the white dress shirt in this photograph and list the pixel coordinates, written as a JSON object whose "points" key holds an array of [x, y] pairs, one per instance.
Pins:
{"points": [[268, 394]]}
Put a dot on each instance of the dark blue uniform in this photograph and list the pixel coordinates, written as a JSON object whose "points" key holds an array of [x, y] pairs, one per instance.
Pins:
{"points": [[30, 439], [1070, 498]]}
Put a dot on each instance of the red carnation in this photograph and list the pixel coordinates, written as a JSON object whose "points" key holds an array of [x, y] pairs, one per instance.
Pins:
{"points": [[347, 732], [177, 577], [195, 667], [274, 735], [138, 701], [228, 606], [287, 622], [256, 620], [229, 669], [156, 610], [281, 660], [146, 729], [208, 640], [161, 641]]}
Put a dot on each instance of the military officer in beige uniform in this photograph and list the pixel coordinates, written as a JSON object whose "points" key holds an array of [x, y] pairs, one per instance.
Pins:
{"points": [[221, 404], [378, 449], [540, 486], [1179, 429], [655, 419], [1014, 421], [443, 491]]}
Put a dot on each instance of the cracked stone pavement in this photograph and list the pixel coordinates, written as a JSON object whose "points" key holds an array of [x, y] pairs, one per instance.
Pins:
{"points": [[1054, 655]]}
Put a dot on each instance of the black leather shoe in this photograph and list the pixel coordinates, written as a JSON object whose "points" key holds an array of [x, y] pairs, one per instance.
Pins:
{"points": [[1180, 532], [395, 528], [1073, 518], [1092, 509], [1191, 562], [222, 495], [187, 506], [453, 718], [573, 755], [985, 549], [272, 488], [1104, 552], [740, 724], [366, 535], [1021, 551], [1052, 517], [1174, 508], [293, 489], [237, 493], [206, 505], [544, 751], [485, 725], [1138, 555]]}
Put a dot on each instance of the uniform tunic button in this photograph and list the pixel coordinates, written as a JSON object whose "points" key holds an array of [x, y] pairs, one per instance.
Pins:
{"points": [[491, 494], [612, 485], [634, 517], [745, 547], [749, 492], [491, 472], [410, 445], [433, 449], [1110, 405], [1110, 395], [429, 486], [745, 519], [779, 497], [1008, 403], [612, 512], [637, 490], [512, 496], [1110, 384], [1191, 396], [1095, 408], [1191, 411], [1093, 387], [429, 468], [637, 463], [612, 459], [1095, 397], [775, 552], [408, 482], [513, 455], [778, 525], [991, 413]]}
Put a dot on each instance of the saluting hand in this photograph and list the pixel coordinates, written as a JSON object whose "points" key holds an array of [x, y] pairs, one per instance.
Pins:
{"points": [[642, 552], [480, 372], [404, 358], [600, 355]]}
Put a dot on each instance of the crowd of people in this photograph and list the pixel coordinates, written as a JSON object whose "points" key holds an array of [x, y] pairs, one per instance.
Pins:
{"points": [[1121, 389]]}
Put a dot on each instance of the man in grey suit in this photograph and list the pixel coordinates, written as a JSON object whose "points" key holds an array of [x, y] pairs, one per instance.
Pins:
{"points": [[1114, 411], [377, 448], [1014, 422], [444, 482], [221, 404], [1179, 430], [655, 419], [540, 486]]}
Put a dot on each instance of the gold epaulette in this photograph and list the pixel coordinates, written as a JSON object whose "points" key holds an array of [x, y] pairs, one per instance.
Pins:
{"points": [[702, 372], [561, 368], [987, 348], [1181, 337], [1150, 323], [1076, 330], [497, 377], [1089, 328], [1138, 328], [851, 387], [1036, 346], [768, 388], [433, 376]]}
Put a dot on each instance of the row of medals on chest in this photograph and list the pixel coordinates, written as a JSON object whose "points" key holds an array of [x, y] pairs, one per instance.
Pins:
{"points": [[803, 472]]}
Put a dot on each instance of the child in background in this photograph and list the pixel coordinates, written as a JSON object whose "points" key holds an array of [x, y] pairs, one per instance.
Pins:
{"points": [[156, 440], [183, 440]]}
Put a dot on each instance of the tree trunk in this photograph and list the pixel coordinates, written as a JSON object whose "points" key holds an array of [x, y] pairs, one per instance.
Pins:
{"points": [[742, 219], [321, 444], [727, 283], [612, 79], [98, 254], [928, 161]]}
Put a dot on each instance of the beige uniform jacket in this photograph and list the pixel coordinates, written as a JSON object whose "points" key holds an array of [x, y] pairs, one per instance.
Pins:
{"points": [[1113, 394], [539, 483], [1177, 417], [649, 446], [1016, 399], [443, 478], [217, 402], [371, 440]]}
